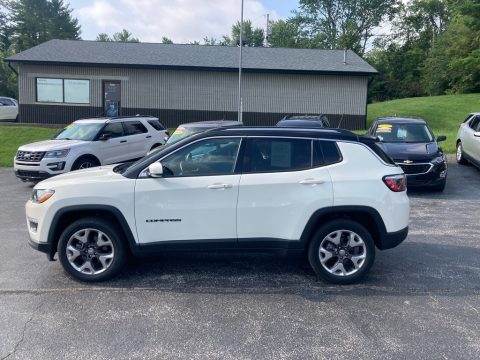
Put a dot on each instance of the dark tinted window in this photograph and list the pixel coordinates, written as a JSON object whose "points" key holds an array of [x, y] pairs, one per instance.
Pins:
{"points": [[379, 151], [475, 123], [7, 102], [326, 153], [272, 155], [203, 158], [156, 124], [134, 127], [114, 130]]}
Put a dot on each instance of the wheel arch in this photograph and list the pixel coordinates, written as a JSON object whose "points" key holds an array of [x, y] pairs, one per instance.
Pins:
{"points": [[67, 215], [364, 215], [83, 156]]}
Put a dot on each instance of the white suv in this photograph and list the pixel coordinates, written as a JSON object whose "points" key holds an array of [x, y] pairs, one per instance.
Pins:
{"points": [[468, 140], [88, 143], [329, 193]]}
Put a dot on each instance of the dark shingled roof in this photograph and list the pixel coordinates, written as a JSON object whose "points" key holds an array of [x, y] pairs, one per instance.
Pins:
{"points": [[221, 58]]}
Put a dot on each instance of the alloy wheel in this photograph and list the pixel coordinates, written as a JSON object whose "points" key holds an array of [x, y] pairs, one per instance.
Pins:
{"points": [[90, 251], [342, 253]]}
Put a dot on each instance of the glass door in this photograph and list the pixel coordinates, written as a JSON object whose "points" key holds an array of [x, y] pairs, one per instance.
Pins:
{"points": [[112, 97]]}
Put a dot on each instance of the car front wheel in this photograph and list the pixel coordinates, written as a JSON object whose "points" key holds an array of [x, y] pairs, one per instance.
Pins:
{"points": [[341, 252], [460, 157], [91, 250]]}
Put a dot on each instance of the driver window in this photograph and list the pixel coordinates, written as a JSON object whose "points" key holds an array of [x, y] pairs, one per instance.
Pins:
{"points": [[203, 158], [113, 130]]}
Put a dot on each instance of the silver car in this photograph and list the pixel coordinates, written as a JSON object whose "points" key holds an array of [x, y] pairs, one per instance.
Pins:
{"points": [[468, 140]]}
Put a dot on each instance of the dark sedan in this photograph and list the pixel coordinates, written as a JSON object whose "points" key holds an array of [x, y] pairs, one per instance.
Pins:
{"points": [[413, 146]]}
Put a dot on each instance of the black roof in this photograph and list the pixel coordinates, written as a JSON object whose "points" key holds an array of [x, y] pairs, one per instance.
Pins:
{"points": [[206, 57], [400, 120], [322, 133]]}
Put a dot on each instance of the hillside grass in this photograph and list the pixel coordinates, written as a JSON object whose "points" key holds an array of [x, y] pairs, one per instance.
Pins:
{"points": [[11, 137], [444, 114]]}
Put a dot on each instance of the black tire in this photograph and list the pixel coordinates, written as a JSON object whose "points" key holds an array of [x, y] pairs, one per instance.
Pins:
{"points": [[116, 249], [459, 154], [85, 162], [344, 226], [439, 188]]}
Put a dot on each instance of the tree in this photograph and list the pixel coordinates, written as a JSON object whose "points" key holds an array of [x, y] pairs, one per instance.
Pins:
{"points": [[32, 22], [124, 36], [343, 24], [121, 36], [166, 40], [253, 37]]}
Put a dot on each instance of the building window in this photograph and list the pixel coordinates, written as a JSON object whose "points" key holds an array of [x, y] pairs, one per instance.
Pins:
{"points": [[70, 91]]}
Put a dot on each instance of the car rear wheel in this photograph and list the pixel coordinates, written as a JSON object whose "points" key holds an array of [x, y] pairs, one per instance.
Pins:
{"points": [[341, 252], [460, 157], [91, 250]]}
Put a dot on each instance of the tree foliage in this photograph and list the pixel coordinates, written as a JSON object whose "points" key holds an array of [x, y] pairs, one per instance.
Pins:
{"points": [[27, 23], [343, 24], [121, 36]]}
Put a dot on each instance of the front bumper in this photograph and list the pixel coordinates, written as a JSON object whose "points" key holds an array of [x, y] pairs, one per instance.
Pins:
{"points": [[32, 175], [436, 176], [46, 248]]}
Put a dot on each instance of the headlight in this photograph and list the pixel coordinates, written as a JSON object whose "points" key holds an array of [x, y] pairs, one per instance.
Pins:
{"points": [[41, 195], [57, 153], [438, 160]]}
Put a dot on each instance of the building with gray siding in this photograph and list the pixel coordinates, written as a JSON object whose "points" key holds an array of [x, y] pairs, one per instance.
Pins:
{"points": [[63, 80]]}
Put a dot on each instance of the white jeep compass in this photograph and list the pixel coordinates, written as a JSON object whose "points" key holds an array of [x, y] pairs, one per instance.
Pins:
{"points": [[328, 193], [88, 143]]}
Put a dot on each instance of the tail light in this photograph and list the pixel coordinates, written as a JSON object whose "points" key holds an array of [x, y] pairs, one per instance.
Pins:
{"points": [[396, 183]]}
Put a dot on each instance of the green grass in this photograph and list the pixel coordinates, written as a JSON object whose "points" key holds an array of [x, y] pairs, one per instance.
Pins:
{"points": [[444, 114], [11, 137]]}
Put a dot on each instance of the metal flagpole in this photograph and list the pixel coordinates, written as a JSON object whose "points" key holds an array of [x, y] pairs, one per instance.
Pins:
{"points": [[240, 110]]}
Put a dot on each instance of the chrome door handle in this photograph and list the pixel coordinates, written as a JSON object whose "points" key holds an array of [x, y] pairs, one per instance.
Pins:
{"points": [[220, 186], [311, 182]]}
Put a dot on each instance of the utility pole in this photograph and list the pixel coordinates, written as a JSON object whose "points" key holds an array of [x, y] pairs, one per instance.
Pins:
{"points": [[240, 105], [267, 31]]}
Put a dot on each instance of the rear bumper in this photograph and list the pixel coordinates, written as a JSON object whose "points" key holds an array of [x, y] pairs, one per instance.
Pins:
{"points": [[392, 239]]}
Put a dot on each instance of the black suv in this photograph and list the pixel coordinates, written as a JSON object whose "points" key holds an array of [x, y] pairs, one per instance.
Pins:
{"points": [[412, 145], [305, 121]]}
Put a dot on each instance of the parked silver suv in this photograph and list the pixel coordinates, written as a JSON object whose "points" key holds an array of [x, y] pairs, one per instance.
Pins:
{"points": [[88, 143], [468, 140]]}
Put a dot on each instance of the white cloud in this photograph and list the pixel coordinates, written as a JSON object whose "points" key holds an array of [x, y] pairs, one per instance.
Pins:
{"points": [[180, 20]]}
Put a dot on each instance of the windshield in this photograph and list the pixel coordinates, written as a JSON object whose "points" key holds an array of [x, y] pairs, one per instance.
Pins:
{"points": [[182, 133], [80, 131], [404, 133]]}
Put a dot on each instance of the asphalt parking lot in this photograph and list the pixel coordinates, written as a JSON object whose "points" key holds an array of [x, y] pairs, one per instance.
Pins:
{"points": [[420, 301]]}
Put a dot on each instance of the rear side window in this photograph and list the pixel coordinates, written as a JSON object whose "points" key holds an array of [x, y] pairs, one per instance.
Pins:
{"points": [[474, 123], [275, 155], [156, 124], [326, 153], [134, 127], [379, 151]]}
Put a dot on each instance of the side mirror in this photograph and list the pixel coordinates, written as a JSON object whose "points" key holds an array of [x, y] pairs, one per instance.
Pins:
{"points": [[155, 170], [441, 138], [476, 134], [104, 137]]}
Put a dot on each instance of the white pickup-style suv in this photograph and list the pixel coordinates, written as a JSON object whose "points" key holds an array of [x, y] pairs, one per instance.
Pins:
{"points": [[329, 193], [88, 143]]}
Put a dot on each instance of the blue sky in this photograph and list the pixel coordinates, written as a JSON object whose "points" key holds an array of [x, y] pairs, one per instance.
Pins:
{"points": [[181, 20]]}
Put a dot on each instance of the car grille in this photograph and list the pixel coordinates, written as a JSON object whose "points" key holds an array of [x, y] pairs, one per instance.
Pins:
{"points": [[26, 173], [32, 156], [411, 169]]}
